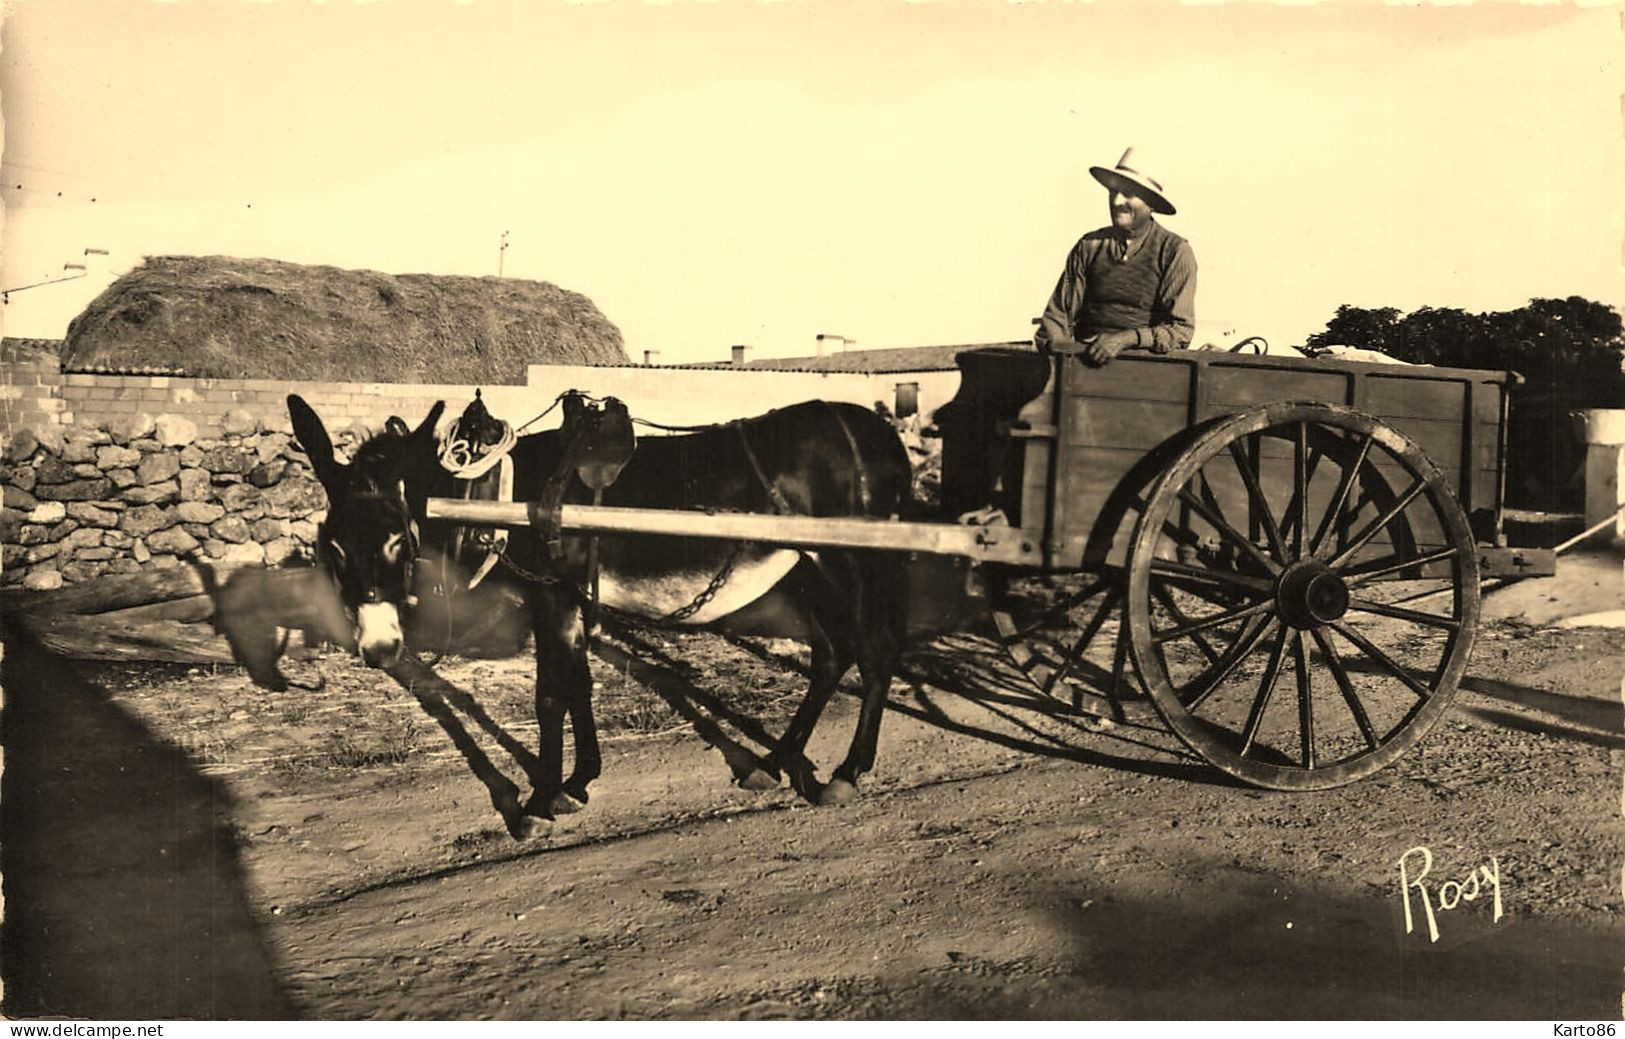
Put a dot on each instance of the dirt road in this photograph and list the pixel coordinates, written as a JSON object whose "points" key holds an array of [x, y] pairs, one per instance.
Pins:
{"points": [[1006, 860]]}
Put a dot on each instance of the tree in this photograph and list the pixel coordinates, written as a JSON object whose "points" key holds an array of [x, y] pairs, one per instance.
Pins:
{"points": [[1357, 326], [1569, 353]]}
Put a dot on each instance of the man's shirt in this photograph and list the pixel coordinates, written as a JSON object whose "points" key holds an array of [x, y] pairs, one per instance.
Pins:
{"points": [[1145, 284]]}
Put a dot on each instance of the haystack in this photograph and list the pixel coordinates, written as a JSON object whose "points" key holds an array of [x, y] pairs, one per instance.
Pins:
{"points": [[224, 317]]}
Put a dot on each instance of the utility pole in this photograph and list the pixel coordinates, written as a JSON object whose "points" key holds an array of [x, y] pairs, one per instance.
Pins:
{"points": [[501, 251], [78, 269]]}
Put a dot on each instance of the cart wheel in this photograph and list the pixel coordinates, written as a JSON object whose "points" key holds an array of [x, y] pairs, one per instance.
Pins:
{"points": [[1316, 541], [1064, 632]]}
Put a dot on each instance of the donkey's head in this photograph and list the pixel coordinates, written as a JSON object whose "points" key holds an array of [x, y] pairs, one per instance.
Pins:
{"points": [[369, 540]]}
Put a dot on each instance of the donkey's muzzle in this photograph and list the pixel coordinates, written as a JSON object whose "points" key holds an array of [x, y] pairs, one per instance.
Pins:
{"points": [[378, 634]]}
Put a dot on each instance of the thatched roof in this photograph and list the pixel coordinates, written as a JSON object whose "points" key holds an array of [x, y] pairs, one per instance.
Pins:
{"points": [[226, 317]]}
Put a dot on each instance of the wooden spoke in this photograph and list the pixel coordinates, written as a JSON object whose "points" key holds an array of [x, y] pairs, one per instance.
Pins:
{"points": [[1357, 577], [1120, 654], [1214, 621], [1206, 592], [1262, 628], [1206, 488], [1255, 495], [1370, 649], [1201, 575], [1223, 527], [1070, 659], [1377, 524], [1266, 688], [1306, 706], [1056, 612], [1300, 487], [1432, 620], [1291, 522], [1180, 535], [1089, 592], [1341, 676], [1341, 495], [1180, 617], [1229, 710]]}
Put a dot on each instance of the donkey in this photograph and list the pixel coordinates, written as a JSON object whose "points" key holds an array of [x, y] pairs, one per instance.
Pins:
{"points": [[815, 458]]}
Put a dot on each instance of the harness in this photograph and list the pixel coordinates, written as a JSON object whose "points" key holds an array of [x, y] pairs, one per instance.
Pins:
{"points": [[409, 526], [483, 472], [598, 443]]}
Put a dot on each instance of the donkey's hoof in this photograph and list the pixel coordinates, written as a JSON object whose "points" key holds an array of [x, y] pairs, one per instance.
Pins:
{"points": [[530, 828], [565, 803], [838, 792], [759, 780]]}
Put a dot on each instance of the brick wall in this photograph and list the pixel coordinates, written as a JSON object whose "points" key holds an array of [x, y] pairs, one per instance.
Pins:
{"points": [[693, 396], [30, 392]]}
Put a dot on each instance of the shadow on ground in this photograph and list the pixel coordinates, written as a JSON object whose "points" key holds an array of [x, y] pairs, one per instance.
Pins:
{"points": [[1252, 945], [123, 891], [945, 677], [1246, 945]]}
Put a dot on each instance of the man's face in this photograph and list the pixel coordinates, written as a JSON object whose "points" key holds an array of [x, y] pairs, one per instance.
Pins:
{"points": [[1130, 212]]}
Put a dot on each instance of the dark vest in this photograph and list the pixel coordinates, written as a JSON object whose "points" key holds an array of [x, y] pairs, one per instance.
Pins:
{"points": [[1123, 294]]}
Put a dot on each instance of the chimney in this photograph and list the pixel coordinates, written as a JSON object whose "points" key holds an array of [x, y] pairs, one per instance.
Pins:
{"points": [[739, 354], [843, 340], [651, 356]]}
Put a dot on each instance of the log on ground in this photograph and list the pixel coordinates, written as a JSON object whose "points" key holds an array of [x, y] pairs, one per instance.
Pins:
{"points": [[98, 637], [118, 593]]}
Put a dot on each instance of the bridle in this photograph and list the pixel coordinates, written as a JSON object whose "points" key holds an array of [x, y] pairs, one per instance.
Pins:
{"points": [[395, 503]]}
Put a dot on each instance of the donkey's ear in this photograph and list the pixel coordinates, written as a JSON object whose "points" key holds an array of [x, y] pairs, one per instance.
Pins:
{"points": [[396, 426], [312, 436], [425, 430]]}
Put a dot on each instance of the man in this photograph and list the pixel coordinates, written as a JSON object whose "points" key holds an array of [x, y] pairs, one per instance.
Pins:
{"points": [[1130, 286]]}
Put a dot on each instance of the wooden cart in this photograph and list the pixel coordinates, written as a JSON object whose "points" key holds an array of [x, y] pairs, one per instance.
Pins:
{"points": [[1287, 552]]}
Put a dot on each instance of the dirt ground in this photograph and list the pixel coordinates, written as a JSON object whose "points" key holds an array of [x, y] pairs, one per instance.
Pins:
{"points": [[180, 843]]}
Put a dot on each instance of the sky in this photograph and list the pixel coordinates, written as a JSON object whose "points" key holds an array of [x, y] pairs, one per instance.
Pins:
{"points": [[720, 172]]}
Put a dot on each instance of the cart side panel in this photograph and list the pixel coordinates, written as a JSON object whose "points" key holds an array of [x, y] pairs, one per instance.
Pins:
{"points": [[1112, 426], [1457, 421], [1078, 460]]}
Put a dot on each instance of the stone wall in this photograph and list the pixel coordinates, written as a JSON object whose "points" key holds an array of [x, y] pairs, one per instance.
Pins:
{"points": [[144, 493]]}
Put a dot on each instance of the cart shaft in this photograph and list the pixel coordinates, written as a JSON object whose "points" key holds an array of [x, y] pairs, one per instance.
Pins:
{"points": [[997, 544]]}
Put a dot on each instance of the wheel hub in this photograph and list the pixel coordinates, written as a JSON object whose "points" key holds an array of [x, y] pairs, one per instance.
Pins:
{"points": [[1309, 594]]}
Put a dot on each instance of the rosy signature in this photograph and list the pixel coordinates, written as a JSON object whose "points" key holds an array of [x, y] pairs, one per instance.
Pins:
{"points": [[1450, 894]]}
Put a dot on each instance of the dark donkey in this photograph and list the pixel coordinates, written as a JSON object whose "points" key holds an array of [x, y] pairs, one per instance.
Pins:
{"points": [[815, 458]]}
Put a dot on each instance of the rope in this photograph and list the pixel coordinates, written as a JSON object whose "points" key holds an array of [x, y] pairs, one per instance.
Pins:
{"points": [[676, 429], [543, 415], [459, 457]]}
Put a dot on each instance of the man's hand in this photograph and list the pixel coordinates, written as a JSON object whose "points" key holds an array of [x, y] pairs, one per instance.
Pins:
{"points": [[1100, 349]]}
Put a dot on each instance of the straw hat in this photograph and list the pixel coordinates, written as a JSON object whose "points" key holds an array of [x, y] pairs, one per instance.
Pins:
{"points": [[1126, 177]]}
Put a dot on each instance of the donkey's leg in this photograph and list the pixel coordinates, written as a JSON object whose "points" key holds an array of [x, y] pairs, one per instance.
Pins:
{"points": [[589, 764], [562, 681], [877, 669], [829, 663], [877, 599]]}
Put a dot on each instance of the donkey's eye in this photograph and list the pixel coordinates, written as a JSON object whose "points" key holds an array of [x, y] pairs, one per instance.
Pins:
{"points": [[392, 548]]}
